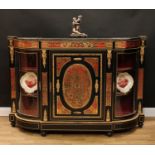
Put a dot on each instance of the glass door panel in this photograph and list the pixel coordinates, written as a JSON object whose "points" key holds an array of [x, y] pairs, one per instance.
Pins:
{"points": [[28, 62], [27, 77], [126, 75]]}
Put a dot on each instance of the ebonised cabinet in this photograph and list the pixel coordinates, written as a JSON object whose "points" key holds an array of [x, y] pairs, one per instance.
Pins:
{"points": [[77, 84]]}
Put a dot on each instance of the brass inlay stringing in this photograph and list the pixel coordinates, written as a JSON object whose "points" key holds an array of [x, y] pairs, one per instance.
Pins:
{"points": [[13, 109], [140, 107], [44, 56], [108, 116], [109, 57], [96, 86], [45, 115], [58, 86], [142, 52]]}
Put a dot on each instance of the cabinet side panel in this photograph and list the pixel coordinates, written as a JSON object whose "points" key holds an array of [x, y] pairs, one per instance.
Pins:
{"points": [[44, 88], [108, 89], [140, 83], [13, 86]]}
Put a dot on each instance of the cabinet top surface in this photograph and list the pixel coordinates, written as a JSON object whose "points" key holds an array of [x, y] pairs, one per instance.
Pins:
{"points": [[76, 43], [70, 38]]}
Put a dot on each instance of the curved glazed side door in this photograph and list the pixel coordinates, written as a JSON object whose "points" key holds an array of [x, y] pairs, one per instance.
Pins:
{"points": [[27, 66], [76, 91], [125, 83]]}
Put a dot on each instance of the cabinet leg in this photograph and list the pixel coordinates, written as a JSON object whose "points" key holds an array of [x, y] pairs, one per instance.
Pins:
{"points": [[13, 124], [109, 133], [141, 121], [43, 133], [140, 124]]}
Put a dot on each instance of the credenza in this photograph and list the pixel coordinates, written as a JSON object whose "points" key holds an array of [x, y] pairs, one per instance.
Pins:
{"points": [[76, 84]]}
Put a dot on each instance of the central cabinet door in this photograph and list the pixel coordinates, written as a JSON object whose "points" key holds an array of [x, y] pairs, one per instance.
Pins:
{"points": [[76, 85]]}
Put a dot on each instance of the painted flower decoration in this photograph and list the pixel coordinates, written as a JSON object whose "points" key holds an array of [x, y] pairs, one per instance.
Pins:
{"points": [[29, 82], [124, 82]]}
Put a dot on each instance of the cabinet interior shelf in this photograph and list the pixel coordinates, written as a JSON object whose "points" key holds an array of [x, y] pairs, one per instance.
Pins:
{"points": [[120, 94], [30, 95], [121, 69], [28, 70]]}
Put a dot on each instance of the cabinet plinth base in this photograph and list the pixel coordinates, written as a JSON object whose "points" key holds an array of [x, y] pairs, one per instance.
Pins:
{"points": [[98, 126]]}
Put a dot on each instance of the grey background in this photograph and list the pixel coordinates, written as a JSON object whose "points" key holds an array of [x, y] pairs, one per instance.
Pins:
{"points": [[96, 23]]}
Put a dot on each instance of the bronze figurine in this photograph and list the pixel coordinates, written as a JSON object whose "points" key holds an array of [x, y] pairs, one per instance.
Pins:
{"points": [[76, 27]]}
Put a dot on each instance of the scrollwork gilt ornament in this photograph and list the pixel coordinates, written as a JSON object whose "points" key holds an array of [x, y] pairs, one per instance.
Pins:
{"points": [[11, 54], [108, 116], [140, 108], [96, 86], [109, 57], [58, 86], [142, 51], [45, 115], [44, 56], [142, 55], [13, 109]]}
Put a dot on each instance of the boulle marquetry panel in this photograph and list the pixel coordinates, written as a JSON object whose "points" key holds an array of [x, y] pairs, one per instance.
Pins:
{"points": [[77, 84]]}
